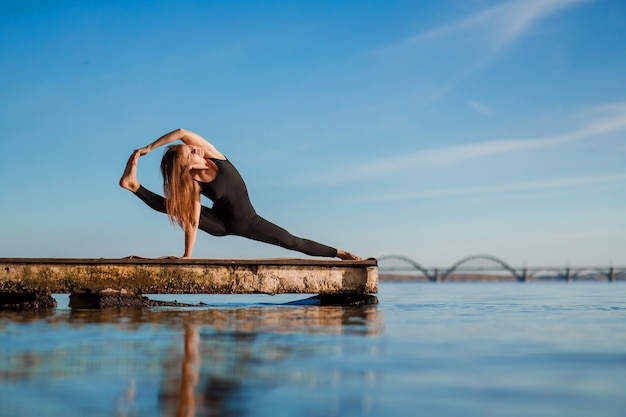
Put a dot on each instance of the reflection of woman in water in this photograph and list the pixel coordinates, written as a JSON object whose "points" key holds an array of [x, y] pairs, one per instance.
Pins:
{"points": [[198, 168], [179, 389]]}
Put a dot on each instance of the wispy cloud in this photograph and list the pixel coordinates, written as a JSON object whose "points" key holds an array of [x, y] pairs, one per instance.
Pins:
{"points": [[472, 42], [479, 107], [496, 189], [610, 118], [499, 25]]}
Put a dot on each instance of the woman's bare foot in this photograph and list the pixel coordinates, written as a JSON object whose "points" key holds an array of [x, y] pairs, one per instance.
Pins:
{"points": [[347, 256], [129, 178]]}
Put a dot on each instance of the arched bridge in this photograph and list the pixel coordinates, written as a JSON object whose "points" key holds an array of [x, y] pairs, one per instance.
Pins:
{"points": [[503, 265], [409, 261], [488, 265]]}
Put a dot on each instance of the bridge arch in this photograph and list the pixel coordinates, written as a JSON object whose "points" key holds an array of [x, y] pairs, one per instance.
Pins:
{"points": [[583, 274], [407, 260], [545, 274], [498, 261]]}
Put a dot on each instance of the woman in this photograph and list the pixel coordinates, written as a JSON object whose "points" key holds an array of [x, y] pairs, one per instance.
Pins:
{"points": [[196, 168]]}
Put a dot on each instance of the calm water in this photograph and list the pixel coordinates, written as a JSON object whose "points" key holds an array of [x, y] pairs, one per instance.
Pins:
{"points": [[473, 349]]}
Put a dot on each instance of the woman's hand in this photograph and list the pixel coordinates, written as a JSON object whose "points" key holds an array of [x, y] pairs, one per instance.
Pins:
{"points": [[143, 151]]}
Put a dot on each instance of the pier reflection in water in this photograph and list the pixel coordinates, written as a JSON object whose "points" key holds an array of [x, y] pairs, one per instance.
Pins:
{"points": [[234, 362], [222, 361]]}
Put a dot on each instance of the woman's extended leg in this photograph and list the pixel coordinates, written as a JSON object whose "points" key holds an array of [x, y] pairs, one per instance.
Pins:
{"points": [[265, 231]]}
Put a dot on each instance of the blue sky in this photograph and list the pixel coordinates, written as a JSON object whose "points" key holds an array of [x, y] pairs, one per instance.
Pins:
{"points": [[433, 130]]}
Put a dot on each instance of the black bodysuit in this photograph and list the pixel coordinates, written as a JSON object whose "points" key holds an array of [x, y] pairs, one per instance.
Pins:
{"points": [[233, 214]]}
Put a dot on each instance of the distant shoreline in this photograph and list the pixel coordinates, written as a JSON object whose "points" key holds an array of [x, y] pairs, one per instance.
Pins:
{"points": [[488, 278]]}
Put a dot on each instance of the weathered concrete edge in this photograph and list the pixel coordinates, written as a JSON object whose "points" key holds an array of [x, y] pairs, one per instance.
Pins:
{"points": [[193, 276], [193, 261]]}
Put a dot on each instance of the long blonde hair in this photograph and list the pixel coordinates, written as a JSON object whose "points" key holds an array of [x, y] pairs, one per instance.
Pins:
{"points": [[181, 191]]}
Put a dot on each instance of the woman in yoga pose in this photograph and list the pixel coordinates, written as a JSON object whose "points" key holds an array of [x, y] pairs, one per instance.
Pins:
{"points": [[196, 168]]}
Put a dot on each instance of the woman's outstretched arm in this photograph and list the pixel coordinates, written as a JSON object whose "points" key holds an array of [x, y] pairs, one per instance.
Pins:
{"points": [[188, 138]]}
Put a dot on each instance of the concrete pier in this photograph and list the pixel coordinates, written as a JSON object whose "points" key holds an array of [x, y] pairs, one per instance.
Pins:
{"points": [[136, 276]]}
